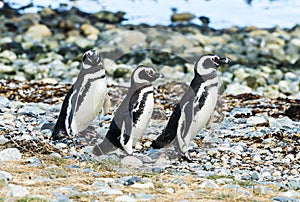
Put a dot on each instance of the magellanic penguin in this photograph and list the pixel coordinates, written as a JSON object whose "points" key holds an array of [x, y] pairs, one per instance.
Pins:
{"points": [[195, 108], [84, 100], [133, 115]]}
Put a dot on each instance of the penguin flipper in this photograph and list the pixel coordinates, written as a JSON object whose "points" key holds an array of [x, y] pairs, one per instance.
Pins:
{"points": [[126, 140], [63, 123], [111, 141], [169, 133]]}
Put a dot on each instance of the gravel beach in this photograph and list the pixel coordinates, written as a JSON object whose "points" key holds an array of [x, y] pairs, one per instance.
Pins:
{"points": [[250, 152]]}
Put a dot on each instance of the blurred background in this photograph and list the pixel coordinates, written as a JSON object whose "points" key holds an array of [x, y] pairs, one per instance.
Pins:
{"points": [[222, 13]]}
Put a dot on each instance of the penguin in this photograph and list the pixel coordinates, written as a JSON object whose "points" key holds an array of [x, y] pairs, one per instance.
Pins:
{"points": [[196, 107], [133, 115], [84, 100]]}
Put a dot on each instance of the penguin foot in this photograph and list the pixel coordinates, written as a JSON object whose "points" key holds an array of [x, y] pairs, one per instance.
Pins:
{"points": [[186, 157]]}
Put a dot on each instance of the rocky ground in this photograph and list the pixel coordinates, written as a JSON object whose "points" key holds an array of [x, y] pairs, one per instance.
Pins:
{"points": [[250, 153]]}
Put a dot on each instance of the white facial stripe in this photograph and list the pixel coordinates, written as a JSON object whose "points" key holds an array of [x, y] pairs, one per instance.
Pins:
{"points": [[200, 69], [136, 77]]}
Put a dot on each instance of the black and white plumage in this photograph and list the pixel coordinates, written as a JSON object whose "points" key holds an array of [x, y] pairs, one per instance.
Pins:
{"points": [[84, 100], [133, 115], [194, 110]]}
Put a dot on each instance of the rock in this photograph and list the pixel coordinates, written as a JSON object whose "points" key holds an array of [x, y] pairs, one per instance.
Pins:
{"points": [[16, 191], [170, 190], [109, 191], [32, 110], [255, 175], [284, 199], [210, 184], [120, 72], [144, 197], [10, 154], [90, 31], [131, 161], [182, 17], [33, 161], [256, 120], [3, 101], [262, 190], [236, 89], [7, 69], [281, 122], [125, 198], [130, 40], [110, 17], [38, 32], [178, 43], [290, 194], [8, 56]]}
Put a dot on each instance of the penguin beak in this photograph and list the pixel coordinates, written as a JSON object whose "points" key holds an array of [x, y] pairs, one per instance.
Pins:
{"points": [[158, 75], [224, 60]]}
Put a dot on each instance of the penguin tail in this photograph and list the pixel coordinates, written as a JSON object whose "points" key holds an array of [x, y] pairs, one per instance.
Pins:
{"points": [[169, 133], [163, 140], [104, 147]]}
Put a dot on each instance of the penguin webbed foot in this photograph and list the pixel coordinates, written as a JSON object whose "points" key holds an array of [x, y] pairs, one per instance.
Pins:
{"points": [[186, 157]]}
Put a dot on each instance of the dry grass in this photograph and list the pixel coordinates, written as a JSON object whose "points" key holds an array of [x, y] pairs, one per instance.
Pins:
{"points": [[55, 169]]}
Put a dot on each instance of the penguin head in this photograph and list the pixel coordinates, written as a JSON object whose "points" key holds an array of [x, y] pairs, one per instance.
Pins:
{"points": [[210, 61], [145, 74], [91, 58]]}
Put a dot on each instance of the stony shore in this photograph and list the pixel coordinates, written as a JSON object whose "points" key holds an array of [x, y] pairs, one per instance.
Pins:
{"points": [[250, 153]]}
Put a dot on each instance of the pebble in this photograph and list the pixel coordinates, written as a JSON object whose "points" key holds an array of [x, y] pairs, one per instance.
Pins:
{"points": [[17, 191], [125, 198], [10, 154], [210, 184], [131, 161]]}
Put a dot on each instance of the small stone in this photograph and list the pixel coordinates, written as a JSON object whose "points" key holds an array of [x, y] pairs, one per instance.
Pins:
{"points": [[284, 199], [109, 191], [144, 197], [131, 161], [17, 191], [124, 198], [33, 161], [255, 175], [38, 31], [182, 17], [290, 194], [236, 89], [170, 190], [91, 31], [262, 190], [255, 120], [10, 154], [209, 184], [56, 155], [256, 158]]}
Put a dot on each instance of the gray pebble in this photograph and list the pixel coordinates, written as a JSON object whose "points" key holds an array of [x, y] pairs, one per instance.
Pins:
{"points": [[17, 191], [131, 161], [32, 161], [109, 191], [10, 154], [125, 198], [209, 184], [144, 197]]}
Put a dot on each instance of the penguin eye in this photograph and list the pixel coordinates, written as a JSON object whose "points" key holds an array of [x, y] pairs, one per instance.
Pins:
{"points": [[215, 59]]}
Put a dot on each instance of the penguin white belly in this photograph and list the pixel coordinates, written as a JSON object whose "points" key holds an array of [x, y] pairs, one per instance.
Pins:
{"points": [[202, 117], [91, 105], [143, 120]]}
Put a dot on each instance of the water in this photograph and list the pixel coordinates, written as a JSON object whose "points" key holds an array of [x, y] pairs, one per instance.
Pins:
{"points": [[222, 13]]}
